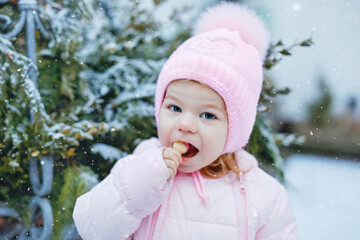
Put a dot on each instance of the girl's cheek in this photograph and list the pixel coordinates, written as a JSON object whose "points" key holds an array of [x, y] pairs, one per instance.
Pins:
{"points": [[164, 133]]}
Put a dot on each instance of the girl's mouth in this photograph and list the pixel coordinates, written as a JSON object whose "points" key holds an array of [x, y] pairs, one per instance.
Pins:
{"points": [[191, 152]]}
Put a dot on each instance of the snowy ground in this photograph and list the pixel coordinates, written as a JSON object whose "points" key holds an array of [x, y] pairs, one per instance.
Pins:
{"points": [[325, 196]]}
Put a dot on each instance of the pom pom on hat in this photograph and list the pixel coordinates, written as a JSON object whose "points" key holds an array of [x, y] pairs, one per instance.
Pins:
{"points": [[238, 18]]}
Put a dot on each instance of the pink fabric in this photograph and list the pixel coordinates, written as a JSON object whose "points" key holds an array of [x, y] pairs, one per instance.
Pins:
{"points": [[244, 204], [238, 18], [229, 60], [200, 186], [136, 201]]}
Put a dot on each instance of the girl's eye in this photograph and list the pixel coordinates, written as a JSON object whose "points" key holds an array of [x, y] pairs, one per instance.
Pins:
{"points": [[207, 115], [175, 108]]}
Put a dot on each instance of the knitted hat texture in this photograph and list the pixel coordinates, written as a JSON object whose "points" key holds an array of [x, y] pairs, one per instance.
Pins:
{"points": [[226, 53]]}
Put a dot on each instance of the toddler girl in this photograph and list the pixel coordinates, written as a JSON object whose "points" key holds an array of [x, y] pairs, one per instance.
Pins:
{"points": [[195, 181]]}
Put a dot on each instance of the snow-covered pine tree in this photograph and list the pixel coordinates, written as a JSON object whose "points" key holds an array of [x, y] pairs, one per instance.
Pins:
{"points": [[93, 103], [265, 142], [18, 97]]}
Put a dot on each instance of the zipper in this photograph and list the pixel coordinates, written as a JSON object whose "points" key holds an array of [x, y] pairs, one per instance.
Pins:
{"points": [[243, 200], [154, 219]]}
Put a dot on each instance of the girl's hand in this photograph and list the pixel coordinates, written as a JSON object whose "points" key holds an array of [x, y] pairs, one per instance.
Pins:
{"points": [[172, 159]]}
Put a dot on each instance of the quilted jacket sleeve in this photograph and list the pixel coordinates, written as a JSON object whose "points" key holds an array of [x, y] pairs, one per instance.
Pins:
{"points": [[281, 223], [135, 188]]}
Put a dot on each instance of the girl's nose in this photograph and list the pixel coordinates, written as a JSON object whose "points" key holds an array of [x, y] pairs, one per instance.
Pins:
{"points": [[187, 123]]}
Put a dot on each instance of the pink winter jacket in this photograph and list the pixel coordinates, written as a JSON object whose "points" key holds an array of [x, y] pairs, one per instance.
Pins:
{"points": [[136, 201]]}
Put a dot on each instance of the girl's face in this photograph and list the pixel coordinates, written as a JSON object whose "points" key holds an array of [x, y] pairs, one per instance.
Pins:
{"points": [[195, 114]]}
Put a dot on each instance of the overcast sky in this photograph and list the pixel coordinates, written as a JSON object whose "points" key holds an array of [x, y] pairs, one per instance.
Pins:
{"points": [[335, 28]]}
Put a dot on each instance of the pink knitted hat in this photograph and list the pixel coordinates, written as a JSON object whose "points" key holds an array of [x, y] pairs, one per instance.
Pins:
{"points": [[226, 53]]}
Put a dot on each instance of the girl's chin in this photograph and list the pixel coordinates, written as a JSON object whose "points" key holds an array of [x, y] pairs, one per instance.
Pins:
{"points": [[186, 160], [187, 168]]}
